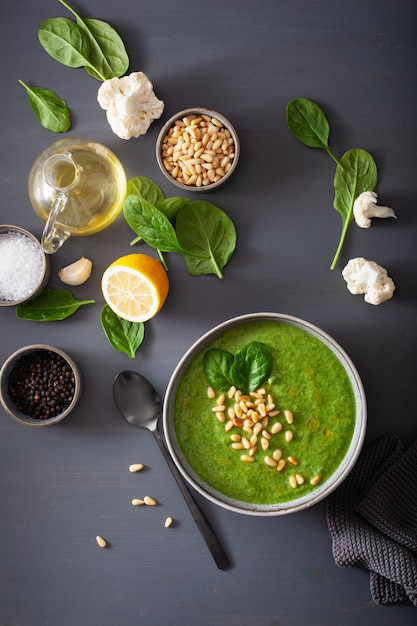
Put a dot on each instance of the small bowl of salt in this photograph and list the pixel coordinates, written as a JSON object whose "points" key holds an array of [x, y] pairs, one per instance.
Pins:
{"points": [[24, 267]]}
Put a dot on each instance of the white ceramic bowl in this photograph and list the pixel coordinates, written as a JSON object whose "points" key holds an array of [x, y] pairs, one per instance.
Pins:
{"points": [[14, 361], [196, 111], [324, 488], [45, 269]]}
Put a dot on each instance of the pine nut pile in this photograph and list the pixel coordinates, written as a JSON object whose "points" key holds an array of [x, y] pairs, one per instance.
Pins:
{"points": [[198, 150], [252, 414]]}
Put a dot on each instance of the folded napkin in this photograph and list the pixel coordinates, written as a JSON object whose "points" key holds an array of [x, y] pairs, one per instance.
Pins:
{"points": [[372, 519]]}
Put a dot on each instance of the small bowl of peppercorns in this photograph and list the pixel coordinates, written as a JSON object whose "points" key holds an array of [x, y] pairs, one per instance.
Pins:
{"points": [[39, 385]]}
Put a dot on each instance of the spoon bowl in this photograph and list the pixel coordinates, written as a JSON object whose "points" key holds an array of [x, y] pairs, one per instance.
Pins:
{"points": [[137, 400], [139, 403]]}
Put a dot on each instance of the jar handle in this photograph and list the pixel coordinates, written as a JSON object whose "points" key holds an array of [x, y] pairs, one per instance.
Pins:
{"points": [[53, 235]]}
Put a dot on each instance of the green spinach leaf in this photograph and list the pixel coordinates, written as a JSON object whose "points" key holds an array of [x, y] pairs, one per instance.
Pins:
{"points": [[50, 305], [359, 174], [65, 42], [217, 364], [308, 123], [208, 237], [150, 224], [122, 335], [145, 188], [251, 366], [171, 206], [87, 43], [51, 111], [108, 57]]}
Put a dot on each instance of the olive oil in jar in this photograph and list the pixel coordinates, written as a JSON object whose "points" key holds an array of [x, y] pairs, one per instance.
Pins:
{"points": [[88, 178]]}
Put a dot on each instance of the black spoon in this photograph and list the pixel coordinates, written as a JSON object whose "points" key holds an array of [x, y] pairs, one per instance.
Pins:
{"points": [[140, 405]]}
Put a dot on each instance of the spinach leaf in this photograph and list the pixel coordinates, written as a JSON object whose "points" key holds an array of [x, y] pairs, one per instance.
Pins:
{"points": [[108, 57], [87, 43], [50, 305], [217, 364], [150, 224], [122, 335], [308, 123], [359, 174], [171, 206], [208, 237], [65, 42], [150, 191], [145, 188], [251, 366], [51, 111]]}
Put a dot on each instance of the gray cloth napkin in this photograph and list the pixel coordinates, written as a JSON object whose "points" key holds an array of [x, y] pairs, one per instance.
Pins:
{"points": [[372, 519]]}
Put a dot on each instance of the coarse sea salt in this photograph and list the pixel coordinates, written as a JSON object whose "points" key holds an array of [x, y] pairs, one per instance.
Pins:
{"points": [[21, 266]]}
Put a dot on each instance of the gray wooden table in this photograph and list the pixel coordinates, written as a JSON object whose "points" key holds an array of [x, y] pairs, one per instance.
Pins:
{"points": [[61, 486]]}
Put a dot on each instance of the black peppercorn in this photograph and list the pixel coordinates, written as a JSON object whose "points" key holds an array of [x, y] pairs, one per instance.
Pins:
{"points": [[42, 384]]}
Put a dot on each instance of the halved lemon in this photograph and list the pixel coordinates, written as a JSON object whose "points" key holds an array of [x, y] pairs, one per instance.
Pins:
{"points": [[135, 287]]}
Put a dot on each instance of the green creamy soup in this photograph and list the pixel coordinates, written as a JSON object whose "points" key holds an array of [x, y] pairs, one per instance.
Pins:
{"points": [[307, 379]]}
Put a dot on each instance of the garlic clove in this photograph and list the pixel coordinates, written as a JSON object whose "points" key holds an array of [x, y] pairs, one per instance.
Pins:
{"points": [[76, 273]]}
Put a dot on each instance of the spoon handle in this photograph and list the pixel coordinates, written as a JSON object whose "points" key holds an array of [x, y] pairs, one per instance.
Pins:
{"points": [[206, 530]]}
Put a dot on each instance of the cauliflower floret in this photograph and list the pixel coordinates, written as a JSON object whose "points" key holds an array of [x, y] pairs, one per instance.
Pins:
{"points": [[368, 277], [130, 103], [365, 207]]}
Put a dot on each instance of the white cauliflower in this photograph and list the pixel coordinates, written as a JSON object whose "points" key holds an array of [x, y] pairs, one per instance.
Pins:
{"points": [[368, 277], [130, 103], [365, 207]]}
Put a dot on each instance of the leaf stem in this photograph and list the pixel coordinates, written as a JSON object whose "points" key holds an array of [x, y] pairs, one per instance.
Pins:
{"points": [[340, 246], [335, 159], [161, 256]]}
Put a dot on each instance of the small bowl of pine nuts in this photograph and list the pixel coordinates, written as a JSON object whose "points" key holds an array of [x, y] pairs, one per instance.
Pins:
{"points": [[197, 149], [39, 385]]}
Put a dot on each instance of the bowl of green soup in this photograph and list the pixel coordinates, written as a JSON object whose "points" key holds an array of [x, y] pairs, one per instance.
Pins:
{"points": [[265, 414]]}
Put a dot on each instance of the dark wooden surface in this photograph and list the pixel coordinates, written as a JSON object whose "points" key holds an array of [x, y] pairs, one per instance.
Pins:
{"points": [[61, 486]]}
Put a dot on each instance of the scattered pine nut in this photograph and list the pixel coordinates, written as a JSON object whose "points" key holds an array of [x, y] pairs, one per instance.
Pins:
{"points": [[246, 458], [289, 416], [136, 467], [292, 460], [288, 436], [246, 443], [276, 428], [277, 454], [231, 391], [257, 428], [264, 443], [299, 478], [280, 465], [137, 502], [211, 393], [270, 461], [168, 522], [293, 481], [231, 412], [101, 541], [149, 501], [221, 416], [315, 480]]}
